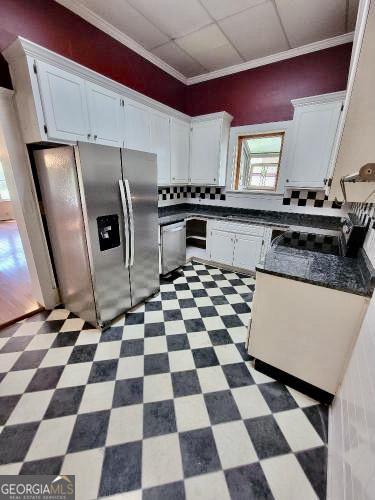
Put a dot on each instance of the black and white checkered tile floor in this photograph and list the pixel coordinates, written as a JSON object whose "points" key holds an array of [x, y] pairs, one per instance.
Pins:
{"points": [[163, 405]]}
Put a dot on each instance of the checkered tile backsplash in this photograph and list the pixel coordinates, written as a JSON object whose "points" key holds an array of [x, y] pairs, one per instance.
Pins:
{"points": [[365, 211], [306, 198], [204, 192]]}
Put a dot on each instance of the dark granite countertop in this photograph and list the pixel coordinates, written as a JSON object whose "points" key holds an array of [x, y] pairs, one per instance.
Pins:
{"points": [[353, 275], [175, 213]]}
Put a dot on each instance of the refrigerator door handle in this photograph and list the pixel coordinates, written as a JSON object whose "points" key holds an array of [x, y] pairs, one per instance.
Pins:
{"points": [[131, 220], [126, 223]]}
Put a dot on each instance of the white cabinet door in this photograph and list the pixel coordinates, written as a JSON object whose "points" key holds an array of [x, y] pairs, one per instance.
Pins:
{"points": [[160, 144], [137, 126], [64, 104], [314, 131], [247, 251], [180, 150], [221, 245], [105, 115], [205, 152]]}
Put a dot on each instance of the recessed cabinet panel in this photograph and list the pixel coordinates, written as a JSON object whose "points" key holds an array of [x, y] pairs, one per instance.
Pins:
{"points": [[106, 116], [221, 244], [137, 127], [247, 251], [205, 152], [64, 104], [160, 144], [180, 150]]}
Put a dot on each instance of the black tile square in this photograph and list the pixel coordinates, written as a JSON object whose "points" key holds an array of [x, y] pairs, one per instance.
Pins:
{"points": [[277, 396], [171, 491], [187, 303], [202, 272], [199, 453], [172, 315], [220, 337], [208, 311], [301, 203], [111, 334], [237, 375], [205, 356], [7, 405], [132, 348], [53, 326], [154, 329], [295, 194], [192, 279], [168, 295], [241, 308], [243, 351], [29, 359], [248, 482], [228, 290], [134, 319], [49, 466], [231, 321], [65, 339], [8, 331], [82, 353], [159, 418], [16, 344], [218, 277], [122, 469], [314, 464], [156, 363], [219, 300], [236, 282], [90, 431], [102, 371], [64, 402], [221, 407], [318, 416], [210, 284], [177, 342], [45, 378], [15, 441], [247, 297], [200, 292], [128, 392], [194, 325], [266, 436], [154, 305], [181, 286], [185, 383]]}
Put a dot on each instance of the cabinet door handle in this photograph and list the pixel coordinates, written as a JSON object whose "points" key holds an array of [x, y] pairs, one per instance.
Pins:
{"points": [[95, 137], [88, 136], [287, 180]]}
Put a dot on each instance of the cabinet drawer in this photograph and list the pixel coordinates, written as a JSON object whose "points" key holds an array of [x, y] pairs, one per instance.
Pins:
{"points": [[239, 228]]}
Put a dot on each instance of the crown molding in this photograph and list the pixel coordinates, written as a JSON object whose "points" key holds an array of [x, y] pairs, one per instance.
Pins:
{"points": [[319, 99], [273, 58], [97, 21]]}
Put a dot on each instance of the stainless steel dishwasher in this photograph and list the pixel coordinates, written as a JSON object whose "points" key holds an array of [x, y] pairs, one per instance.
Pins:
{"points": [[173, 246]]}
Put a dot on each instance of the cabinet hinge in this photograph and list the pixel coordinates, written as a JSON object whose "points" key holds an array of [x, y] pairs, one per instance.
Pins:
{"points": [[35, 69], [45, 129]]}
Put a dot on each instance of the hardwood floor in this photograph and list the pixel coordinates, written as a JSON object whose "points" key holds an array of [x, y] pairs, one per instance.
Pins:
{"points": [[16, 299]]}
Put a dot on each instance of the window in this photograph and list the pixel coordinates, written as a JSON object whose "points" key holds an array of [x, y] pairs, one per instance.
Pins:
{"points": [[4, 193], [258, 162]]}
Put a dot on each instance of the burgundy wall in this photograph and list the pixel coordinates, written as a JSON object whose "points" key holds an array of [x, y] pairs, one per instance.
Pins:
{"points": [[49, 24], [263, 94]]}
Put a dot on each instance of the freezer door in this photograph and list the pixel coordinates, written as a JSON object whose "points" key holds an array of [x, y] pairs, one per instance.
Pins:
{"points": [[140, 179], [99, 170]]}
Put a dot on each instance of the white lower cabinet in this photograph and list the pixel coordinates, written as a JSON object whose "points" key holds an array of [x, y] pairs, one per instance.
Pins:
{"points": [[247, 251], [222, 246]]}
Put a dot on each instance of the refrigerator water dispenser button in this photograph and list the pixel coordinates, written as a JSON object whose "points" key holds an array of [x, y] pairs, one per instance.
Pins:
{"points": [[108, 231]]}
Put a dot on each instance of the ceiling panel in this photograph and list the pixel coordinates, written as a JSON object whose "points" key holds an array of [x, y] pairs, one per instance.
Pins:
{"points": [[178, 59], [256, 32], [210, 47], [173, 18], [352, 14], [126, 19], [224, 8], [307, 21]]}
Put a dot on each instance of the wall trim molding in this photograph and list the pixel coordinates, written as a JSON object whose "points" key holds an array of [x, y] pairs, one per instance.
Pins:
{"points": [[97, 21], [319, 99]]}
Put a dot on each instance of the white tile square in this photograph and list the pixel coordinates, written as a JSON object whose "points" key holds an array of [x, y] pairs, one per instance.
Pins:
{"points": [[207, 486], [139, 308], [7, 360], [57, 356], [170, 305], [225, 310], [168, 287], [174, 327], [86, 466], [16, 382], [205, 278], [228, 354], [108, 350], [302, 400], [41, 342], [213, 323], [155, 345], [212, 379], [58, 314], [297, 430], [125, 425], [245, 318], [234, 298], [12, 469], [91, 336], [154, 317], [241, 289], [214, 292], [184, 294], [234, 444], [52, 438], [203, 301], [161, 460], [28, 328], [120, 321], [72, 325], [157, 388], [31, 407], [133, 332], [250, 402], [199, 339], [259, 377], [191, 413], [196, 285], [190, 313], [181, 360], [3, 342], [75, 374], [286, 478], [130, 367], [97, 397], [238, 334]]}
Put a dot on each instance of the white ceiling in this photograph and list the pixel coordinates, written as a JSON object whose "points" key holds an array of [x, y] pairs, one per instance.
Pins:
{"points": [[200, 36]]}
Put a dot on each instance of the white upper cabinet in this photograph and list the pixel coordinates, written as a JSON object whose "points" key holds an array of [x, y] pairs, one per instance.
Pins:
{"points": [[209, 147], [180, 150], [63, 97], [137, 126], [161, 145], [314, 131], [105, 115]]}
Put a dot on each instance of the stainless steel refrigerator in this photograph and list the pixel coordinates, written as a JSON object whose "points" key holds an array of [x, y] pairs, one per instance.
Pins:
{"points": [[101, 208]]}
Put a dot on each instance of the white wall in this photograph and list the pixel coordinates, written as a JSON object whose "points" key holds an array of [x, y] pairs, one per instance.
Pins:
{"points": [[351, 440]]}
